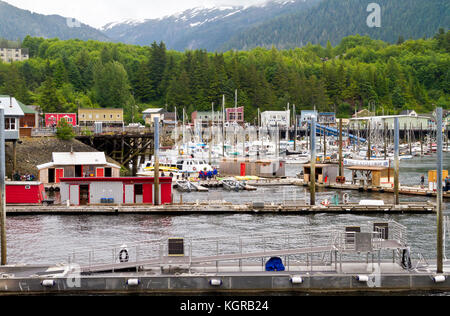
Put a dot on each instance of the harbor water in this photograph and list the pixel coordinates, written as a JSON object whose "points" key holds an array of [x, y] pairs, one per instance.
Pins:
{"points": [[51, 239]]}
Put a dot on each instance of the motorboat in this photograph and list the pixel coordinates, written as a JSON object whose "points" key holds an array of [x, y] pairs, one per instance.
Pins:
{"points": [[232, 185]]}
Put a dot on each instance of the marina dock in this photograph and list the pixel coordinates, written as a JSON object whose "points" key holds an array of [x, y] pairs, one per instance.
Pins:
{"points": [[221, 207], [373, 257]]}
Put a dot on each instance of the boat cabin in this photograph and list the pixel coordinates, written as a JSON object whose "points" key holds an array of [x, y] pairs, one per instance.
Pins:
{"points": [[325, 173]]}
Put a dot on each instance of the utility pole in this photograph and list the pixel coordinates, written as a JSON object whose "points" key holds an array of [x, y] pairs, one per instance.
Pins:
{"points": [[439, 203], [369, 143], [396, 160], [156, 169], [341, 163], [223, 125], [2, 188], [295, 129], [313, 161]]}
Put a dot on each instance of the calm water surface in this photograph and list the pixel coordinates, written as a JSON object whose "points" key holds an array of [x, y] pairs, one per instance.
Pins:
{"points": [[49, 239]]}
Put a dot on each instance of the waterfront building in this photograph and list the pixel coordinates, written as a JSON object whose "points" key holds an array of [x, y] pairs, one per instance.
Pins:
{"points": [[107, 116], [235, 115], [307, 116], [53, 119], [13, 114], [325, 173], [276, 118], [78, 165], [204, 117], [327, 118], [20, 192], [122, 191], [410, 121], [267, 168], [9, 55]]}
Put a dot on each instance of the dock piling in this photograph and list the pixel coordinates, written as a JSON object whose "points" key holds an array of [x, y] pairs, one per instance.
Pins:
{"points": [[313, 161], [439, 202], [156, 169], [2, 188], [396, 160]]}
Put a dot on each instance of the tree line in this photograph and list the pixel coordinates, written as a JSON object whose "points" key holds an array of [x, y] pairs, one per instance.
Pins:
{"points": [[61, 76]]}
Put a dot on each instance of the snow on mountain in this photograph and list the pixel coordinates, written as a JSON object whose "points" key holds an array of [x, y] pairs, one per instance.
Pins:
{"points": [[202, 27]]}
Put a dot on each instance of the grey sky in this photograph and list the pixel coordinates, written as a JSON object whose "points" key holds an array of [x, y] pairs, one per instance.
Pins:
{"points": [[100, 12]]}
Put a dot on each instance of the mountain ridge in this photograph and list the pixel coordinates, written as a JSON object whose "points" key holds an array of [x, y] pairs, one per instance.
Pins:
{"points": [[18, 23]]}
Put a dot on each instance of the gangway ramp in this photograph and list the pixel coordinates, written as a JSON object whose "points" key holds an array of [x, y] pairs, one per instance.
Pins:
{"points": [[329, 131], [307, 242]]}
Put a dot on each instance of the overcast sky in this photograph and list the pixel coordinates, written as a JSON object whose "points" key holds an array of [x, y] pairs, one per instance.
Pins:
{"points": [[97, 13]]}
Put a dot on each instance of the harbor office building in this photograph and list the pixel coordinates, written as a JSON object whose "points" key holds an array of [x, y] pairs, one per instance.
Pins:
{"points": [[409, 121], [77, 165], [109, 117], [276, 118], [116, 191]]}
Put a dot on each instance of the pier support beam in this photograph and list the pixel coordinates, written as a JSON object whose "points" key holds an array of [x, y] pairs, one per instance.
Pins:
{"points": [[341, 162], [313, 162], [396, 160], [439, 202], [2, 189], [156, 199]]}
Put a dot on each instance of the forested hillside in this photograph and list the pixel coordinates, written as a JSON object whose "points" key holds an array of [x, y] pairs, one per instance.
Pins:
{"points": [[332, 20], [63, 75]]}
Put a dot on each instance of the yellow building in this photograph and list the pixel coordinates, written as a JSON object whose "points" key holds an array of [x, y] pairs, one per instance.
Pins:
{"points": [[87, 117]]}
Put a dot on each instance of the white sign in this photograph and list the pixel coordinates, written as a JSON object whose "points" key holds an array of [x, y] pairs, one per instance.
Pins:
{"points": [[367, 163]]}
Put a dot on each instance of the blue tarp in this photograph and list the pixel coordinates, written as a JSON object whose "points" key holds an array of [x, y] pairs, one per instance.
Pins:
{"points": [[275, 264]]}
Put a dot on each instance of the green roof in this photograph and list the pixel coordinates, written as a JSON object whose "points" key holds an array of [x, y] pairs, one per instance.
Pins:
{"points": [[26, 109]]}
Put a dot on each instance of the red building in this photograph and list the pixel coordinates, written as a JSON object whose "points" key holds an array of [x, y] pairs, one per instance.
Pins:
{"points": [[235, 114], [128, 191], [24, 192], [52, 119]]}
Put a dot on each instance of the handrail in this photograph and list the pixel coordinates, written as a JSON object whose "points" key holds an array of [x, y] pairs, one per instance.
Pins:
{"points": [[311, 239]]}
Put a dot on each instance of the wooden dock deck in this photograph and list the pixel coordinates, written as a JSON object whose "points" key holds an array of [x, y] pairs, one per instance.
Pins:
{"points": [[212, 207]]}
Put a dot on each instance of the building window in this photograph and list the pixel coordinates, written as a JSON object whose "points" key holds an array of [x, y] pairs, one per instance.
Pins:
{"points": [[10, 124]]}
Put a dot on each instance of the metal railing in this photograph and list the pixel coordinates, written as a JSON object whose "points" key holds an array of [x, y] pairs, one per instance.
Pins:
{"points": [[252, 248]]}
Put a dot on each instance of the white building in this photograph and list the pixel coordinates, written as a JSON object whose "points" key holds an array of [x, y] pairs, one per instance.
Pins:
{"points": [[13, 112], [274, 118], [8, 55]]}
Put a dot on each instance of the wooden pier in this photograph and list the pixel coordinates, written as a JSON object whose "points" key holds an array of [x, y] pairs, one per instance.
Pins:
{"points": [[403, 190], [220, 207]]}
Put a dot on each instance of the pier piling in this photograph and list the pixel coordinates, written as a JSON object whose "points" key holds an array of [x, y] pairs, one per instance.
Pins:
{"points": [[2, 188], [396, 160], [439, 202]]}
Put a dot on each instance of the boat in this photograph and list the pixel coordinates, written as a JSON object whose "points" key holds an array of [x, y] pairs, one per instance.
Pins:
{"points": [[232, 185], [184, 186]]}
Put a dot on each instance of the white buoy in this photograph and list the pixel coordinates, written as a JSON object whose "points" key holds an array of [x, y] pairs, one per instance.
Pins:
{"points": [[133, 282], [439, 278], [297, 280], [362, 278], [48, 283], [215, 282]]}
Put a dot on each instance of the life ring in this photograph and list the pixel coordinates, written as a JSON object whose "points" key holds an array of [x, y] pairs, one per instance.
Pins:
{"points": [[195, 169], [326, 203], [124, 256]]}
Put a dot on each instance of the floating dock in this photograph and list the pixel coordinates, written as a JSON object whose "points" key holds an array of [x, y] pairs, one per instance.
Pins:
{"points": [[374, 257], [220, 207]]}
